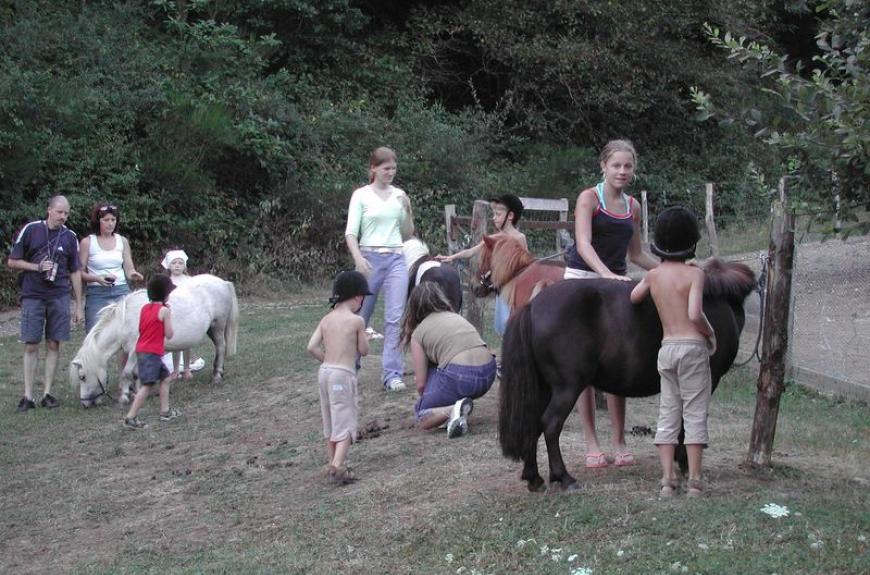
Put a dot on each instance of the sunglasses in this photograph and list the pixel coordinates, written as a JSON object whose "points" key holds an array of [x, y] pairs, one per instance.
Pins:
{"points": [[108, 209]]}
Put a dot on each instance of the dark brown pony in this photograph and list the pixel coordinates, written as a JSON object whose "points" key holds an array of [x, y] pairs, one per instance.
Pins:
{"points": [[506, 265], [587, 332]]}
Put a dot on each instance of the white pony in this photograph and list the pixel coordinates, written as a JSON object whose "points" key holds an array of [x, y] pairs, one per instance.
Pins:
{"points": [[205, 304]]}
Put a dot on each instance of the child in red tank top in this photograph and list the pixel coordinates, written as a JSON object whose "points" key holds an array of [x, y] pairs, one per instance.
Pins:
{"points": [[155, 326]]}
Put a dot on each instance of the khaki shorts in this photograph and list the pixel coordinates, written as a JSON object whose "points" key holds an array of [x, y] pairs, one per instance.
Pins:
{"points": [[339, 402], [684, 365]]}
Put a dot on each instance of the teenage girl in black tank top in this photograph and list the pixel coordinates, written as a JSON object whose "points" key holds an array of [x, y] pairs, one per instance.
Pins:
{"points": [[606, 229]]}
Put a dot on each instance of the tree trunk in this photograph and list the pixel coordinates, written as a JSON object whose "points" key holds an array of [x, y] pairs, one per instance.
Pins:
{"points": [[775, 332]]}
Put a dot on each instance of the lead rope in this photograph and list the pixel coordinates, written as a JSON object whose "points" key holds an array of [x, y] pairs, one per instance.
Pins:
{"points": [[760, 287]]}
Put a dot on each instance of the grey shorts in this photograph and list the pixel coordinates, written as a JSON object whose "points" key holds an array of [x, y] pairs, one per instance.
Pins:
{"points": [[49, 317], [151, 368]]}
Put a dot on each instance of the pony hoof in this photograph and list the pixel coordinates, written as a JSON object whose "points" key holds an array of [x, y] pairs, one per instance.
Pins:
{"points": [[537, 486]]}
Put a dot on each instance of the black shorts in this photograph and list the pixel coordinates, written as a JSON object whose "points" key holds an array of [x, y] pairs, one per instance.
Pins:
{"points": [[151, 368]]}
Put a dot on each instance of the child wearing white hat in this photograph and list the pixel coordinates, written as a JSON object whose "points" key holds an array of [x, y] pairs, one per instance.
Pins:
{"points": [[175, 262]]}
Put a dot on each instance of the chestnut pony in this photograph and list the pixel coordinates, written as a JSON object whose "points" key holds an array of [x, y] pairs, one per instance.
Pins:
{"points": [[587, 332], [509, 267]]}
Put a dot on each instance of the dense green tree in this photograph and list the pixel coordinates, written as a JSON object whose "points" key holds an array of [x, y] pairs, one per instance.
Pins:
{"points": [[238, 129], [815, 110]]}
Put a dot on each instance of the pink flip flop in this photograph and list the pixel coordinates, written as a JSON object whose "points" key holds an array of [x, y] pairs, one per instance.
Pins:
{"points": [[623, 458], [596, 460]]}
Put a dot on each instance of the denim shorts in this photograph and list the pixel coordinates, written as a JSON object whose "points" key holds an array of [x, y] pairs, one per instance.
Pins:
{"points": [[151, 368], [97, 297], [446, 386], [45, 316]]}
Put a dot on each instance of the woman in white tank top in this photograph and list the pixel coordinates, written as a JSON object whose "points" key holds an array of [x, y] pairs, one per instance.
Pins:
{"points": [[106, 263]]}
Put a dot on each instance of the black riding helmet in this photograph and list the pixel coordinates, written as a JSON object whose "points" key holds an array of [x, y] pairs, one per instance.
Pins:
{"points": [[676, 234], [348, 284], [512, 203]]}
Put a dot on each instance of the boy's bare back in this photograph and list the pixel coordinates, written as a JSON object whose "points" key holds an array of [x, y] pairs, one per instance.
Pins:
{"points": [[677, 289], [341, 334]]}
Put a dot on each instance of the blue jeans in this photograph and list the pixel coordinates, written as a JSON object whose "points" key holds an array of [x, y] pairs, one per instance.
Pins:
{"points": [[390, 273], [97, 297], [447, 386], [501, 315]]}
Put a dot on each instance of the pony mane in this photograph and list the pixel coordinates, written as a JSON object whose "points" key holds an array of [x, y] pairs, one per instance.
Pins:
{"points": [[92, 352], [732, 281], [507, 259]]}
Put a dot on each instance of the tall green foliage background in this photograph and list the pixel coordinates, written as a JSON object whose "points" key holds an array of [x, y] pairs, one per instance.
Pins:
{"points": [[238, 129]]}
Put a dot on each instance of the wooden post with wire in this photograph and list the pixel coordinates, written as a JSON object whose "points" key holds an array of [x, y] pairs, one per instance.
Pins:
{"points": [[775, 332], [644, 206], [711, 222]]}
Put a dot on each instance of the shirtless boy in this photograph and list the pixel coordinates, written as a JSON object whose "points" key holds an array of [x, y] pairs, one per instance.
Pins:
{"points": [[339, 337], [677, 289]]}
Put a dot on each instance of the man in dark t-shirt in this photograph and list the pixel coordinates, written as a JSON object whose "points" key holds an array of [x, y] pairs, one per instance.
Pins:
{"points": [[46, 253]]}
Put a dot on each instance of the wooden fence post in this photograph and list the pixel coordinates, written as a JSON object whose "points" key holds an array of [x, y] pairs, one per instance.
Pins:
{"points": [[449, 213], [775, 334], [711, 223], [474, 308], [645, 217]]}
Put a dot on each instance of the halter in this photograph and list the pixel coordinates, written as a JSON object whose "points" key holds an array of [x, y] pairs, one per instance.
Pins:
{"points": [[103, 392]]}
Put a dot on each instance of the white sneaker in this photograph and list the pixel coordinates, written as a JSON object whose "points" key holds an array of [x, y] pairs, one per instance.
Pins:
{"points": [[197, 365], [457, 425], [395, 384], [373, 334]]}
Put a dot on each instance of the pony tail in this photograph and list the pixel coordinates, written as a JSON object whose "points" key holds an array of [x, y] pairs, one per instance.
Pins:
{"points": [[520, 398], [231, 333], [732, 281]]}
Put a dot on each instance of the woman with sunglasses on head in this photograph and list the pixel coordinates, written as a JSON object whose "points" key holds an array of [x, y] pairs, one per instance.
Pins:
{"points": [[106, 263]]}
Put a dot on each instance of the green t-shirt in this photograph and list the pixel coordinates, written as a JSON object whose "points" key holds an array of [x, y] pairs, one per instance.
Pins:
{"points": [[376, 222]]}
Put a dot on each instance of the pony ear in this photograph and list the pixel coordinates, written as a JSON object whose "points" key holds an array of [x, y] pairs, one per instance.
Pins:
{"points": [[77, 362]]}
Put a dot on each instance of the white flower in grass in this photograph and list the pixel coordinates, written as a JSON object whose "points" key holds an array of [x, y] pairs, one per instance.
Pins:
{"points": [[775, 511], [620, 553], [545, 549], [861, 539], [572, 558], [556, 555], [678, 567], [703, 547], [449, 558], [581, 571]]}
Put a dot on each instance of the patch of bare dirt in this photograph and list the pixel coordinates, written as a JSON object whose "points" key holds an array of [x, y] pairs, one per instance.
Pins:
{"points": [[831, 319]]}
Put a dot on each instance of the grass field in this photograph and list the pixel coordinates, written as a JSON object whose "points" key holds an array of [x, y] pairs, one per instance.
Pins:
{"points": [[237, 485]]}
